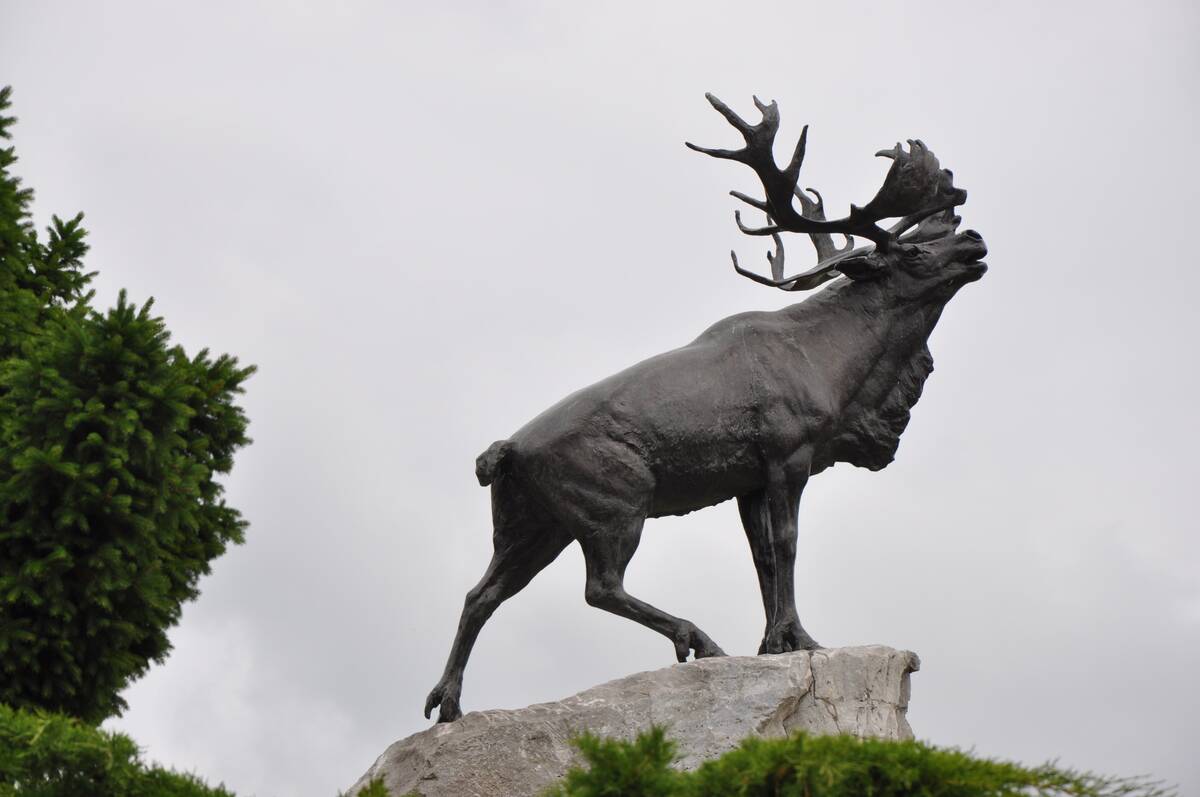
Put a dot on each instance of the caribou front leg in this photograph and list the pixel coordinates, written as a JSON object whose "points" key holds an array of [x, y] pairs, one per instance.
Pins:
{"points": [[770, 519]]}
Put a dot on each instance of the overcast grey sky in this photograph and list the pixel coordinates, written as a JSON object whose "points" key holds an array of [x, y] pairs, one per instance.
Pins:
{"points": [[428, 222]]}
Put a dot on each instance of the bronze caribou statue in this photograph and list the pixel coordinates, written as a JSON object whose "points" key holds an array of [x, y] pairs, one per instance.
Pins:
{"points": [[751, 409]]}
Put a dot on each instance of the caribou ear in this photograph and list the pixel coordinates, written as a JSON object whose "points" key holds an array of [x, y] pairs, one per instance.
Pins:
{"points": [[866, 266]]}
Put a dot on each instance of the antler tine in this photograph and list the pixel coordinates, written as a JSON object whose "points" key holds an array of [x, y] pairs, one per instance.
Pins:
{"points": [[744, 127], [937, 225], [731, 115], [824, 271], [823, 242], [751, 201], [776, 258], [956, 196], [768, 230], [819, 274], [916, 187]]}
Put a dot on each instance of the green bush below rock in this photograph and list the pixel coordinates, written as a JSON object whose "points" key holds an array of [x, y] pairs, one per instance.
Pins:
{"points": [[825, 766]]}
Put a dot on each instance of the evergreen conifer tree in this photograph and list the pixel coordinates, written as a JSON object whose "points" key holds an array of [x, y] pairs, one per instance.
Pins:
{"points": [[110, 439]]}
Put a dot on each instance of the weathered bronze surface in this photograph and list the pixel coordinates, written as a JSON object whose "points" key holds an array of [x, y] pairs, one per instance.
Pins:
{"points": [[750, 409]]}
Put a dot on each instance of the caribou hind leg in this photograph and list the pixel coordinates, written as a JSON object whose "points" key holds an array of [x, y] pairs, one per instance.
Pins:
{"points": [[521, 552], [606, 555], [770, 517]]}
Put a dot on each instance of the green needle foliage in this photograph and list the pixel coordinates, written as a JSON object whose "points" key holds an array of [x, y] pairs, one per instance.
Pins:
{"points": [[825, 766], [110, 439], [49, 755], [624, 769]]}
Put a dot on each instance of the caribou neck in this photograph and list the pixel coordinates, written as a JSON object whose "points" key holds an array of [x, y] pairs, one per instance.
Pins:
{"points": [[858, 335]]}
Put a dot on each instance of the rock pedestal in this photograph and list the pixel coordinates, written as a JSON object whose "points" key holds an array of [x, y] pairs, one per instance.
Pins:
{"points": [[708, 706]]}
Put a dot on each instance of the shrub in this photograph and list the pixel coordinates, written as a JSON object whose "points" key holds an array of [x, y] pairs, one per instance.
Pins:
{"points": [[50, 755], [825, 766], [110, 441]]}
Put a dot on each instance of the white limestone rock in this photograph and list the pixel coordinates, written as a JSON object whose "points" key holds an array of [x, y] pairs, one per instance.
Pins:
{"points": [[709, 706]]}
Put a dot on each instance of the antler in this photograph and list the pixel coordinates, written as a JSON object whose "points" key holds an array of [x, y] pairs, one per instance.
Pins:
{"points": [[824, 271], [914, 189], [827, 251], [816, 210]]}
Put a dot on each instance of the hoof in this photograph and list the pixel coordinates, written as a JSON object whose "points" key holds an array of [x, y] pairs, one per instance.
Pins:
{"points": [[449, 711], [693, 639], [445, 699], [787, 637]]}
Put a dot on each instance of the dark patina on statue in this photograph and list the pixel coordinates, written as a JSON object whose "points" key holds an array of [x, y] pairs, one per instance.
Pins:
{"points": [[751, 409]]}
